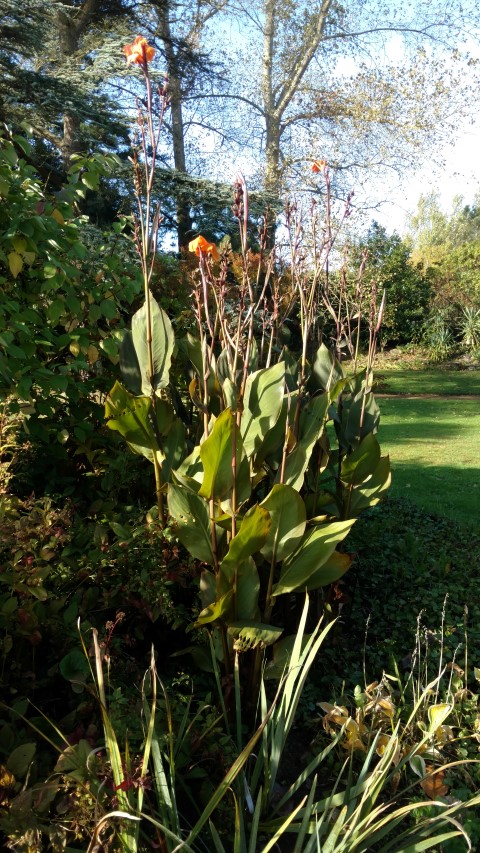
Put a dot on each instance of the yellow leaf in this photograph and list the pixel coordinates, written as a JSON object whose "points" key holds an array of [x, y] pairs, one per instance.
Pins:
{"points": [[19, 244], [29, 258], [92, 354], [15, 262], [7, 784], [57, 216], [437, 714], [382, 743], [75, 348]]}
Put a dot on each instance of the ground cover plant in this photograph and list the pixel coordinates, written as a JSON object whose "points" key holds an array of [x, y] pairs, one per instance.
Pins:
{"points": [[111, 742]]}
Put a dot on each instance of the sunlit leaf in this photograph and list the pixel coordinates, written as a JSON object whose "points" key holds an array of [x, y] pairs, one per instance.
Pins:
{"points": [[215, 611], [250, 538], [216, 453], [249, 635], [261, 405], [162, 344], [193, 522], [337, 564], [311, 427], [287, 511], [312, 553], [437, 714]]}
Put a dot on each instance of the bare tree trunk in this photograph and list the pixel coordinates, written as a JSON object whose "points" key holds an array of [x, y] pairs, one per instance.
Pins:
{"points": [[276, 97]]}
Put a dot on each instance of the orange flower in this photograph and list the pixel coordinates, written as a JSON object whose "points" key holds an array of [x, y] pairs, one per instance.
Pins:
{"points": [[200, 245], [319, 166], [139, 52]]}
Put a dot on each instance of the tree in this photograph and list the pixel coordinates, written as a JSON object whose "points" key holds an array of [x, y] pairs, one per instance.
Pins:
{"points": [[447, 247], [313, 86], [407, 289], [55, 62]]}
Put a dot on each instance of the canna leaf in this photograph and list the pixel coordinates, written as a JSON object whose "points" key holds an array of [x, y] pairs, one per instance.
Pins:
{"points": [[361, 464], [312, 553], [130, 416], [326, 371], [193, 520], [162, 344], [262, 404], [249, 635], [216, 454], [370, 493], [287, 511], [336, 566], [311, 427], [215, 611], [250, 538], [247, 590]]}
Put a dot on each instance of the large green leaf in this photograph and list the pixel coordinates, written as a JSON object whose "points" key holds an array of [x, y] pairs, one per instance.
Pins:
{"points": [[215, 611], [193, 520], [208, 588], [162, 344], [129, 366], [190, 472], [261, 405], [326, 371], [248, 588], [287, 511], [370, 493], [248, 634], [311, 427], [130, 416], [312, 553], [358, 417], [250, 538], [216, 453], [362, 462], [174, 447], [336, 566], [198, 356], [272, 445]]}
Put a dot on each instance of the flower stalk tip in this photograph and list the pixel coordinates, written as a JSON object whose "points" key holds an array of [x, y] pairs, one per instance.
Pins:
{"points": [[201, 246], [139, 53], [319, 166]]}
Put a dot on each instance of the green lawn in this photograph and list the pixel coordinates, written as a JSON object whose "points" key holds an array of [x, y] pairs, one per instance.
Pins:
{"points": [[434, 447], [431, 381]]}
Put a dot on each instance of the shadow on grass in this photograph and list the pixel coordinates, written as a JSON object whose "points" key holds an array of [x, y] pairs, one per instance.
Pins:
{"points": [[442, 490], [416, 431]]}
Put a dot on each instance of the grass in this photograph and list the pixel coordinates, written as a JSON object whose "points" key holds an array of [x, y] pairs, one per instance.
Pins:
{"points": [[430, 426], [434, 447], [430, 381]]}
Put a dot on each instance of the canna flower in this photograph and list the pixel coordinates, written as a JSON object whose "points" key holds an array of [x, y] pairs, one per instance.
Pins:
{"points": [[319, 166], [139, 52], [200, 245]]}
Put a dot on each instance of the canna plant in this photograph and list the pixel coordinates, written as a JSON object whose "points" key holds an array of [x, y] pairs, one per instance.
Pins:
{"points": [[256, 486]]}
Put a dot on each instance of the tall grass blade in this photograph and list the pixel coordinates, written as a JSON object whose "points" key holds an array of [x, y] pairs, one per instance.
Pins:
{"points": [[284, 826]]}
